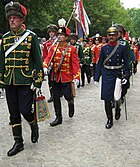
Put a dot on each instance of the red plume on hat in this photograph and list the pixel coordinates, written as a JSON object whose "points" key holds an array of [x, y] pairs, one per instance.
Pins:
{"points": [[23, 9], [68, 31]]}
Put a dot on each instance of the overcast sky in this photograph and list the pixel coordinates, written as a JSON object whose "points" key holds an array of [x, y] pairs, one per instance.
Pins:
{"points": [[131, 3]]}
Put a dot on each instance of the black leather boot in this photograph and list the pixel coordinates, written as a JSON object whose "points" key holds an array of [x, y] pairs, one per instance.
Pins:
{"points": [[71, 108], [34, 132], [57, 107], [117, 113], [113, 104], [56, 122], [88, 79], [109, 123], [18, 145], [51, 93], [109, 114], [117, 110]]}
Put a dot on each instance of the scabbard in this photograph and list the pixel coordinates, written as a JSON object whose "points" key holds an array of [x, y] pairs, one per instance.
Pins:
{"points": [[125, 108]]}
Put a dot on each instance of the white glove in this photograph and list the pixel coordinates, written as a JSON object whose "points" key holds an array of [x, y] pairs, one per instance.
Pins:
{"points": [[124, 81], [91, 65], [76, 81], [96, 83], [35, 88], [45, 70]]}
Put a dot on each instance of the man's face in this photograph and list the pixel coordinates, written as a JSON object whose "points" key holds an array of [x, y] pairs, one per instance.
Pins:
{"points": [[61, 38], [15, 22], [72, 41], [52, 34], [97, 42], [90, 42], [112, 38], [120, 34], [85, 43]]}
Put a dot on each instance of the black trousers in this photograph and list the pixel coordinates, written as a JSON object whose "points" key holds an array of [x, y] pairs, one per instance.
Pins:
{"points": [[85, 69], [19, 100], [60, 89], [94, 68]]}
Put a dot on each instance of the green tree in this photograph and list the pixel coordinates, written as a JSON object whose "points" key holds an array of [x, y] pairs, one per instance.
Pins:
{"points": [[102, 14], [135, 19]]}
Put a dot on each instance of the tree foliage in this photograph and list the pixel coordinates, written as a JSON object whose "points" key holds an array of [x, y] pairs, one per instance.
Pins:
{"points": [[134, 15], [102, 14]]}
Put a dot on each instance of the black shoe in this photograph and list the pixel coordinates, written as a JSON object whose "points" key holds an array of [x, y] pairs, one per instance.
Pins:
{"points": [[17, 147], [109, 124], [78, 86], [117, 113], [56, 122], [50, 99], [34, 132]]}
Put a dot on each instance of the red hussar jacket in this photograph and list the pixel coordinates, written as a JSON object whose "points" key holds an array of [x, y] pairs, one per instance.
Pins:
{"points": [[70, 68], [97, 50], [46, 47], [136, 51]]}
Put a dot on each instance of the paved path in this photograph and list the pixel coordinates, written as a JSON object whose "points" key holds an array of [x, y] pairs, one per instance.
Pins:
{"points": [[81, 141]]}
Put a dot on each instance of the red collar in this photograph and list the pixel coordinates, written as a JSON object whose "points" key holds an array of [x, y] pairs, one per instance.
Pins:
{"points": [[113, 44]]}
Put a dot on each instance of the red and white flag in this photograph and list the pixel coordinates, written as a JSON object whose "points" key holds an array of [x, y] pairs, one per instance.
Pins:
{"points": [[81, 18]]}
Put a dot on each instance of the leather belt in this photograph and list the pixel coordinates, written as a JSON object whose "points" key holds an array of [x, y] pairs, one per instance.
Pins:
{"points": [[113, 67]]}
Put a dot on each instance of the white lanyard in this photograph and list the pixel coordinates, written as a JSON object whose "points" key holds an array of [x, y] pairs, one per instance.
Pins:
{"points": [[16, 44]]}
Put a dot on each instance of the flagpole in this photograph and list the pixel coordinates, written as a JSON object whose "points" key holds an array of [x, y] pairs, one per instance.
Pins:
{"points": [[69, 19]]}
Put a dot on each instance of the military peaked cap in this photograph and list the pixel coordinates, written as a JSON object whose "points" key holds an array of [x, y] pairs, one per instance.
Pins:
{"points": [[112, 30], [52, 28]]}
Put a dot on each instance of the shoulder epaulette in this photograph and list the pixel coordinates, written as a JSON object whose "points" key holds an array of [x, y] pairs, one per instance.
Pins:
{"points": [[6, 34], [122, 43]]}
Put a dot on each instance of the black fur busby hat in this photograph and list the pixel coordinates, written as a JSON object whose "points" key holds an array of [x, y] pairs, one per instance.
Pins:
{"points": [[52, 28], [15, 9], [63, 30]]}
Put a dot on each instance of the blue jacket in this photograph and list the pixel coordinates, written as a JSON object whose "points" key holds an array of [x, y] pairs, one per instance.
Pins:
{"points": [[109, 75]]}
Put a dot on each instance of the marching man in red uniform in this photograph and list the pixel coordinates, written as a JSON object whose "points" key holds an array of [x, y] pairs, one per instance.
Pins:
{"points": [[65, 70], [96, 51], [52, 31]]}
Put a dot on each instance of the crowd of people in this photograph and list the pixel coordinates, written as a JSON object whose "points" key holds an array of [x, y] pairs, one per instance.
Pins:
{"points": [[66, 60]]}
